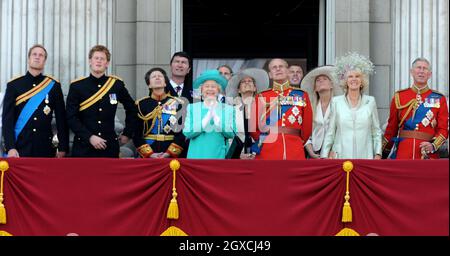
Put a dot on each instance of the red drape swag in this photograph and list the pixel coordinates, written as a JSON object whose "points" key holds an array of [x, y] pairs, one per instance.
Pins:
{"points": [[225, 197]]}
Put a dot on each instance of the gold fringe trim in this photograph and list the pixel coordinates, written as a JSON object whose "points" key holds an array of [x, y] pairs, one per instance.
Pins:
{"points": [[4, 233], [347, 210], [174, 231], [347, 232], [173, 212], [437, 143], [4, 166]]}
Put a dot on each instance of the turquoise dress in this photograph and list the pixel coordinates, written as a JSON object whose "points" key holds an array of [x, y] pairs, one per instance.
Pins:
{"points": [[211, 142]]}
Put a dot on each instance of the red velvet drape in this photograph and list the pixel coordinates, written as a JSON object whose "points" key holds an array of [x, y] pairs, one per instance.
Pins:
{"points": [[224, 197]]}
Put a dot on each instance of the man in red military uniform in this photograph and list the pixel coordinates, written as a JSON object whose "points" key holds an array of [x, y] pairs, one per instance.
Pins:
{"points": [[418, 119], [283, 117]]}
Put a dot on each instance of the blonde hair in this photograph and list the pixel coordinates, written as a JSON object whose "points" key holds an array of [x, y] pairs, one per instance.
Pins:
{"points": [[364, 80]]}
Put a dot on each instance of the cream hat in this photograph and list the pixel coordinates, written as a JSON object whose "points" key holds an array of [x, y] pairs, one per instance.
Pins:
{"points": [[308, 82], [260, 75]]}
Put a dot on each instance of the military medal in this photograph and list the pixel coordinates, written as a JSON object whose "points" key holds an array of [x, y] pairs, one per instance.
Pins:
{"points": [[425, 122], [46, 99], [295, 111], [167, 128], [292, 119], [173, 120], [113, 99], [47, 110], [430, 114]]}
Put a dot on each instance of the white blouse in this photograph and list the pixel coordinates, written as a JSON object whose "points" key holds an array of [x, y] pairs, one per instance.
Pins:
{"points": [[320, 127]]}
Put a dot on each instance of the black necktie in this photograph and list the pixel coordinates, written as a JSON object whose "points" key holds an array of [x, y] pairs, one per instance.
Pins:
{"points": [[178, 89]]}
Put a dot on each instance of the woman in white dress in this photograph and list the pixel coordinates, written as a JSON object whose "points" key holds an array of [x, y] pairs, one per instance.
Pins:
{"points": [[354, 131], [321, 86], [240, 92]]}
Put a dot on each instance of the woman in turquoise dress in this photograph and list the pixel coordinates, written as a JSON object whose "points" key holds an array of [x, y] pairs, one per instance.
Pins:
{"points": [[209, 123]]}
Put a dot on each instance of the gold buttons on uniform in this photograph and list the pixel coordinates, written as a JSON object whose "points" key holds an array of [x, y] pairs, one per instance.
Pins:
{"points": [[99, 85], [34, 130], [34, 85], [99, 122], [35, 118], [99, 134], [100, 109]]}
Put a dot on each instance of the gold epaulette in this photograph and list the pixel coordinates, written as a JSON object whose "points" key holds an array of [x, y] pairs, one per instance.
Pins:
{"points": [[78, 79], [51, 77], [15, 78], [141, 99], [116, 77]]}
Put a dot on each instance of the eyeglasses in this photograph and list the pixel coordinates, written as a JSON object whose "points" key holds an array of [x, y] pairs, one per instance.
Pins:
{"points": [[246, 82]]}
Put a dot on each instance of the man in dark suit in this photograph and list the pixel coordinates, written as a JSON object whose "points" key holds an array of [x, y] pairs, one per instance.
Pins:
{"points": [[29, 104], [91, 108], [181, 77], [181, 84]]}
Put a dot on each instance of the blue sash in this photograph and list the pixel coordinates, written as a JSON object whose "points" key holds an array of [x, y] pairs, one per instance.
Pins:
{"points": [[257, 146], [411, 123], [165, 117], [31, 106], [421, 113]]}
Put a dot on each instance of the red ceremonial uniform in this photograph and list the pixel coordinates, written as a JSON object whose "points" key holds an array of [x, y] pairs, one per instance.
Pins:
{"points": [[284, 117], [416, 116]]}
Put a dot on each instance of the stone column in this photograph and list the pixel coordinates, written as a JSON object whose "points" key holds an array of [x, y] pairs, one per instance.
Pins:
{"points": [[352, 27], [68, 29], [153, 43], [421, 30]]}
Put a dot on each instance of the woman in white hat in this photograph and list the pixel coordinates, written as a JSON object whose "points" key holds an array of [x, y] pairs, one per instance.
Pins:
{"points": [[240, 92], [354, 131], [320, 85], [209, 123]]}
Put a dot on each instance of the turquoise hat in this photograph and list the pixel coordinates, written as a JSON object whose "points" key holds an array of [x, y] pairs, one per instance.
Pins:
{"points": [[211, 74]]}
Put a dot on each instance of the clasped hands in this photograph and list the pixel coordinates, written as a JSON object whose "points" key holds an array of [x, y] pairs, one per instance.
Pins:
{"points": [[211, 115]]}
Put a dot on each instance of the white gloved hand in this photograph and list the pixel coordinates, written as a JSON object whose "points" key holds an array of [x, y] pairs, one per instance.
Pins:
{"points": [[206, 119], [216, 120]]}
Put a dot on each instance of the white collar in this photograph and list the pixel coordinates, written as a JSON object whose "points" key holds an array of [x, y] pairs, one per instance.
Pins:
{"points": [[174, 85]]}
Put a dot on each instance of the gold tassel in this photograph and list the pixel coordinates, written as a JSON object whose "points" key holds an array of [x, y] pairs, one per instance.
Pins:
{"points": [[347, 210], [4, 166], [173, 212], [347, 232], [173, 231]]}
